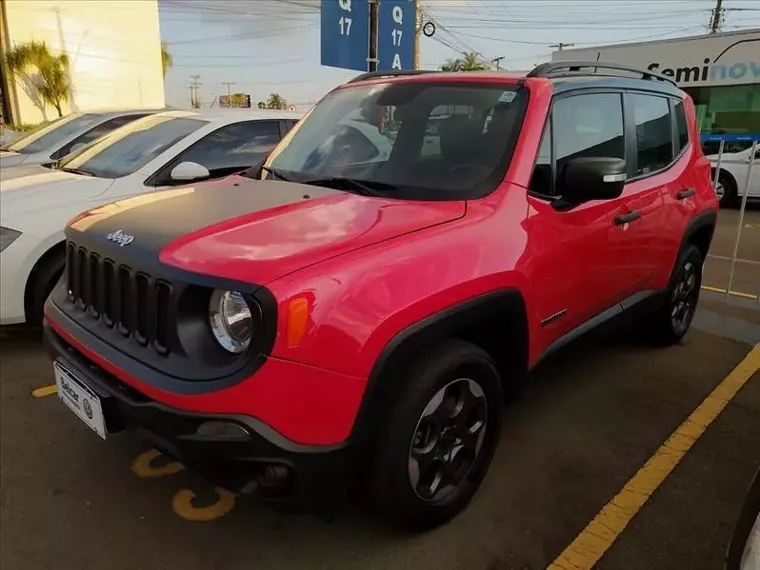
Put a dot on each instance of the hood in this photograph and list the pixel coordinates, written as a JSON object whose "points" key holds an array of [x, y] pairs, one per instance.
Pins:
{"points": [[252, 230], [10, 158], [36, 188]]}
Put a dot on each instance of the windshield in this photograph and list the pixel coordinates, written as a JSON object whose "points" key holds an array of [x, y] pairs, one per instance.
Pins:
{"points": [[53, 133], [411, 140], [131, 147]]}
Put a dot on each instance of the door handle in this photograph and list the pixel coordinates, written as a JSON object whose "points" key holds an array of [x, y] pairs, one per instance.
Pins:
{"points": [[683, 194], [629, 217]]}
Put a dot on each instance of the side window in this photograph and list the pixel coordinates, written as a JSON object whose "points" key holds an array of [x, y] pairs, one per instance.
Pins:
{"points": [[94, 134], [682, 128], [541, 181], [233, 148], [654, 134], [289, 124], [588, 126]]}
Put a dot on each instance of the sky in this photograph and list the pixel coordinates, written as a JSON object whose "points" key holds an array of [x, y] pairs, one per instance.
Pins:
{"points": [[266, 46]]}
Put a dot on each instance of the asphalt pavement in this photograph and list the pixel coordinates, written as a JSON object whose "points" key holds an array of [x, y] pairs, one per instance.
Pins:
{"points": [[589, 420]]}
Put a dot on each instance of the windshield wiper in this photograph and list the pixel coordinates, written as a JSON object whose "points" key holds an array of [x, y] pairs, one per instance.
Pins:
{"points": [[76, 171], [361, 187], [276, 173]]}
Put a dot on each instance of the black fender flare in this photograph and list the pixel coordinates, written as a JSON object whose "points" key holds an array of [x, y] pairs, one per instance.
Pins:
{"points": [[385, 378], [706, 219]]}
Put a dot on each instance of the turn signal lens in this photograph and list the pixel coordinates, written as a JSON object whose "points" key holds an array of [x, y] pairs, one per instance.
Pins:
{"points": [[298, 316]]}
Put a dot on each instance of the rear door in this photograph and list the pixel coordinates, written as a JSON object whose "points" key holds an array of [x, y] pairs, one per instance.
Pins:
{"points": [[652, 150]]}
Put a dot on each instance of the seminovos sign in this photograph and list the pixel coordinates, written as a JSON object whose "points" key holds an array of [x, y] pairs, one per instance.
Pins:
{"points": [[727, 59]]}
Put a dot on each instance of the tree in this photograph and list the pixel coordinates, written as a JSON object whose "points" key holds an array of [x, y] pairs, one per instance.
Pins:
{"points": [[166, 58], [50, 80], [276, 101], [469, 62]]}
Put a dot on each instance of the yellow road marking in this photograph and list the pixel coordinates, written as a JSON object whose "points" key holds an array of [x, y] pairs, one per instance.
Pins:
{"points": [[591, 544], [44, 391], [142, 465], [734, 293], [182, 505]]}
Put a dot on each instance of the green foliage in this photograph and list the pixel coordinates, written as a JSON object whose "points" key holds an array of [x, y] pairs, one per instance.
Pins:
{"points": [[166, 58], [50, 80], [276, 101], [469, 62]]}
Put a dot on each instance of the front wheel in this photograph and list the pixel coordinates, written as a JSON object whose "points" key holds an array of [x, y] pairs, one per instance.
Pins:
{"points": [[440, 437], [673, 318]]}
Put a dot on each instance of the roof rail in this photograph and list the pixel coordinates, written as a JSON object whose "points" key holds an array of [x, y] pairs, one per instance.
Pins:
{"points": [[396, 73], [574, 68]]}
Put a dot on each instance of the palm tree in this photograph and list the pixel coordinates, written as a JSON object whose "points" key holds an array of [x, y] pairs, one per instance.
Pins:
{"points": [[166, 58], [276, 101], [50, 81], [469, 62]]}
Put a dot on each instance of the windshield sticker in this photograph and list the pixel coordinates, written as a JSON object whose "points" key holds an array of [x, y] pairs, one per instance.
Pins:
{"points": [[507, 97]]}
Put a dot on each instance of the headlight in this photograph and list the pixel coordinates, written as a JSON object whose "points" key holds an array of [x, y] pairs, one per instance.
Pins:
{"points": [[231, 320], [7, 237]]}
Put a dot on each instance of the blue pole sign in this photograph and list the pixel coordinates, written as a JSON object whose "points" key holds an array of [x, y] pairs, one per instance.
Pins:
{"points": [[344, 34], [395, 34]]}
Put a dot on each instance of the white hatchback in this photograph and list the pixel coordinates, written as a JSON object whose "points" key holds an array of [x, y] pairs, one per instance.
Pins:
{"points": [[159, 151]]}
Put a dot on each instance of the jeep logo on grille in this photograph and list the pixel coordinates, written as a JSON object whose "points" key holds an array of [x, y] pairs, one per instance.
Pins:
{"points": [[120, 237]]}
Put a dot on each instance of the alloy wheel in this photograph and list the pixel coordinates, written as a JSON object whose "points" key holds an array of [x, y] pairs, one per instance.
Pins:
{"points": [[684, 298], [720, 191], [447, 440]]}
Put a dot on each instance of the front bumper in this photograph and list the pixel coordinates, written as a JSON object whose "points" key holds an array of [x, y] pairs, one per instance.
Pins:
{"points": [[257, 462]]}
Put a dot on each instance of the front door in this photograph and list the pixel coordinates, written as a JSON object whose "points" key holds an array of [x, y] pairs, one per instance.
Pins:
{"points": [[576, 253]]}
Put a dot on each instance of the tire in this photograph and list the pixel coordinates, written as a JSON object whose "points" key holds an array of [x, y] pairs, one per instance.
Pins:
{"points": [[727, 183], [670, 322], [44, 279], [458, 373]]}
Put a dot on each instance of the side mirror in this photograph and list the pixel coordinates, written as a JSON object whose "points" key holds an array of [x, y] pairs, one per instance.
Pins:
{"points": [[186, 171], [591, 178]]}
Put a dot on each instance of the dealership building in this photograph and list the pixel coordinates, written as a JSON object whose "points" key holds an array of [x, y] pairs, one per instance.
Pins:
{"points": [[114, 50], [721, 72]]}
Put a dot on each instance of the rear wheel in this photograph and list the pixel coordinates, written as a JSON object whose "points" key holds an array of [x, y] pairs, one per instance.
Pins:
{"points": [[726, 191], [673, 318], [440, 437], [43, 280]]}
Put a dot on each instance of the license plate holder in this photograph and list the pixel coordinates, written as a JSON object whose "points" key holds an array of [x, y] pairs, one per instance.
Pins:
{"points": [[80, 399]]}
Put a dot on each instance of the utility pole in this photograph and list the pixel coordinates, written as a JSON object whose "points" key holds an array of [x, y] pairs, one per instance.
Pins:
{"points": [[716, 20], [560, 46], [195, 100], [497, 61], [372, 59], [229, 85], [418, 22]]}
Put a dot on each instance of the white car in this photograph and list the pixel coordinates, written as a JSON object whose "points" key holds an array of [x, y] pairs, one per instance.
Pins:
{"points": [[54, 140], [732, 177], [159, 151]]}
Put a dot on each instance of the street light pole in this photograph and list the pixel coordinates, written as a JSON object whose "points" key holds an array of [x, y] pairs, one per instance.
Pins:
{"points": [[497, 61]]}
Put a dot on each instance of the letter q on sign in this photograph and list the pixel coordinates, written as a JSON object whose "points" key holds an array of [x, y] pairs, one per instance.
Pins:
{"points": [[398, 15], [345, 5]]}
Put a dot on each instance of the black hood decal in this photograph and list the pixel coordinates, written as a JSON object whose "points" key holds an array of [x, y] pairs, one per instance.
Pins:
{"points": [[145, 224]]}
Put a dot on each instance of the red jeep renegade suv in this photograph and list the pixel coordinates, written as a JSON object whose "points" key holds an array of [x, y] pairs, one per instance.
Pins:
{"points": [[352, 312]]}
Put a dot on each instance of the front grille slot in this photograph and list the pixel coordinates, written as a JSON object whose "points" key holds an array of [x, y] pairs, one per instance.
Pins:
{"points": [[127, 306], [133, 303], [109, 289]]}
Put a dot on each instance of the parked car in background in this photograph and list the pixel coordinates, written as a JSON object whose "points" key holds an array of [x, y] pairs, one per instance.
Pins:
{"points": [[743, 551], [54, 140], [732, 177], [159, 151]]}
